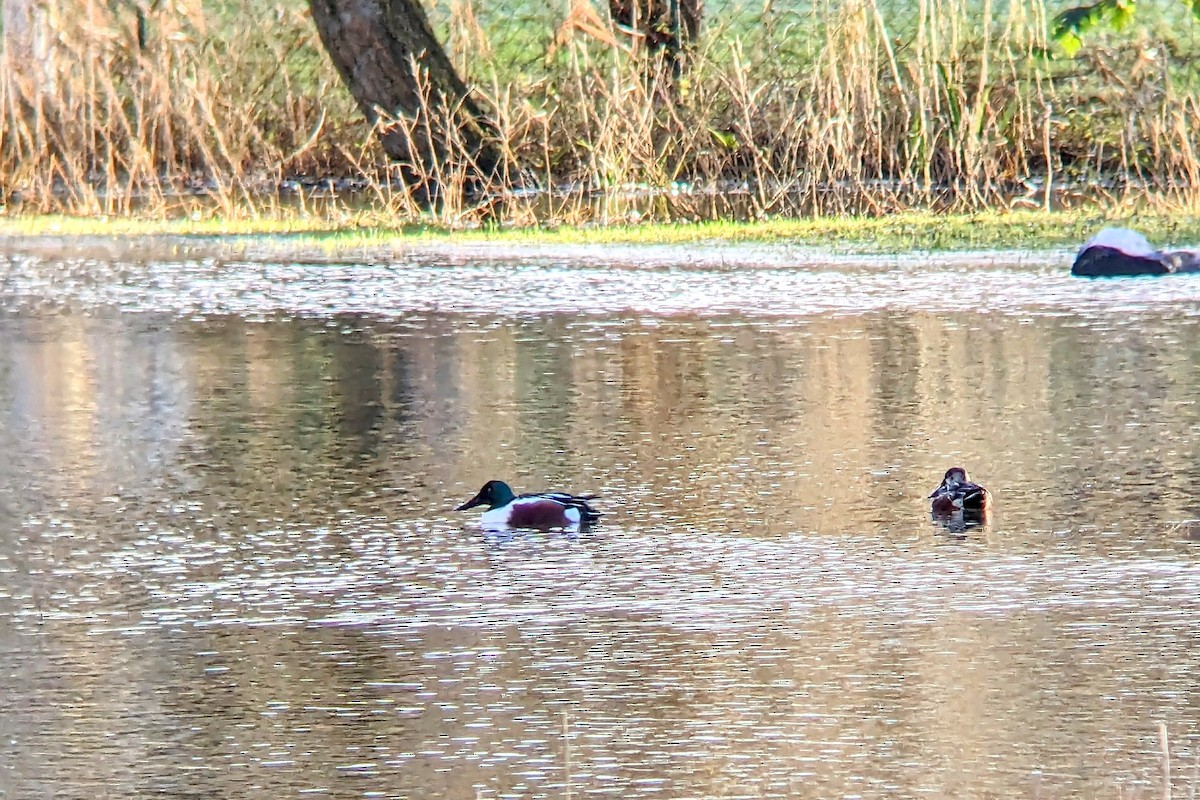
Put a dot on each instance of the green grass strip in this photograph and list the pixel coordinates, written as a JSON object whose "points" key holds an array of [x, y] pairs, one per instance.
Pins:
{"points": [[1026, 230]]}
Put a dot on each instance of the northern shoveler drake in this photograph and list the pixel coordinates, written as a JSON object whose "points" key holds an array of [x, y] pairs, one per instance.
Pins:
{"points": [[958, 493], [535, 510]]}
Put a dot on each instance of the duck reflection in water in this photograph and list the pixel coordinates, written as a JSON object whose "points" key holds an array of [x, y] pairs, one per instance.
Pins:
{"points": [[958, 502]]}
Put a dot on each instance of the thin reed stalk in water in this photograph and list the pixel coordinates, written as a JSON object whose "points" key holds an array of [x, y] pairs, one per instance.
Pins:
{"points": [[566, 734], [1164, 760]]}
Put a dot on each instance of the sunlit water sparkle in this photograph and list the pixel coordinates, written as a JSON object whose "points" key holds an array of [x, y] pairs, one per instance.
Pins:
{"points": [[230, 567]]}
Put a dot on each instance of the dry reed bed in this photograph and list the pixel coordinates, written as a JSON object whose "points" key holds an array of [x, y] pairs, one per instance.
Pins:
{"points": [[179, 114]]}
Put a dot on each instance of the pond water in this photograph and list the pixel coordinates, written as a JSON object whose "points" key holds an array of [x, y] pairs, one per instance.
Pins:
{"points": [[229, 565]]}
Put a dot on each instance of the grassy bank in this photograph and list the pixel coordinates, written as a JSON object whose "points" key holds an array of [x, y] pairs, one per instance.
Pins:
{"points": [[788, 109], [1026, 230]]}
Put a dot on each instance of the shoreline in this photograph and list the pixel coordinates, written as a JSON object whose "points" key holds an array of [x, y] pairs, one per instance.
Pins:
{"points": [[367, 235]]}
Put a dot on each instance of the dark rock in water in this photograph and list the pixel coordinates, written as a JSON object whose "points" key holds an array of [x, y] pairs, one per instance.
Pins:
{"points": [[1098, 261], [1120, 251]]}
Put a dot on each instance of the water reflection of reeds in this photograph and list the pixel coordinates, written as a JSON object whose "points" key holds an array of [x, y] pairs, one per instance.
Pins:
{"points": [[827, 425], [234, 539]]}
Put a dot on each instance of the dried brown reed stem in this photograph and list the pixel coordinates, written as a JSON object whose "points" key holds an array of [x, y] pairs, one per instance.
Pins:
{"points": [[122, 123], [836, 109]]}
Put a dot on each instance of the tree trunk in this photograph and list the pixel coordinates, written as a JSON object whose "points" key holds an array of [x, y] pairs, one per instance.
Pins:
{"points": [[389, 58], [665, 26]]}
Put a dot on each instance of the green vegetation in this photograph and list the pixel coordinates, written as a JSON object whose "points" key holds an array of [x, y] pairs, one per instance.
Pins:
{"points": [[789, 109], [1071, 25], [1027, 230]]}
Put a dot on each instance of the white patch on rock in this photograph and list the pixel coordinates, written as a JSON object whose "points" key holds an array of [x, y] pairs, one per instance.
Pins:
{"points": [[1131, 243]]}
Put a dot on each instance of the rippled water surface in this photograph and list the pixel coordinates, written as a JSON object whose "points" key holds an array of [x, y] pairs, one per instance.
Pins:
{"points": [[229, 565]]}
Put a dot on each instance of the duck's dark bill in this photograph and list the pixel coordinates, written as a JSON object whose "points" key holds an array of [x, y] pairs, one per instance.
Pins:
{"points": [[477, 500]]}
